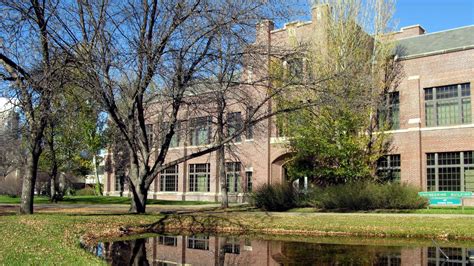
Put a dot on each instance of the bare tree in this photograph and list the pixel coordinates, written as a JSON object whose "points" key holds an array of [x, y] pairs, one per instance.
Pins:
{"points": [[149, 52], [27, 64]]}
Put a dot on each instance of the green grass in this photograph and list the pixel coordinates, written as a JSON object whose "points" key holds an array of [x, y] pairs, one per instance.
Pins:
{"points": [[47, 239], [99, 200], [386, 225], [432, 210]]}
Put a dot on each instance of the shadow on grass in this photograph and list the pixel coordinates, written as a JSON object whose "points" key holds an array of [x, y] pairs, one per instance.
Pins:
{"points": [[214, 220]]}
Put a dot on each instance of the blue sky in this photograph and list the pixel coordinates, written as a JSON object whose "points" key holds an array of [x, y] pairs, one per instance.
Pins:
{"points": [[435, 15]]}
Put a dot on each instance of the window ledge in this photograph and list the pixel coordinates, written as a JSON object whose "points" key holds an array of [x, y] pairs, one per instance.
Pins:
{"points": [[429, 128]]}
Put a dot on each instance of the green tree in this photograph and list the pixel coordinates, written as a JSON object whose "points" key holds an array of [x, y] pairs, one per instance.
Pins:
{"points": [[340, 139]]}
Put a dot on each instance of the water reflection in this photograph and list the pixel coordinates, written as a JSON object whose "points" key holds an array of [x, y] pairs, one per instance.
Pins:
{"points": [[220, 250]]}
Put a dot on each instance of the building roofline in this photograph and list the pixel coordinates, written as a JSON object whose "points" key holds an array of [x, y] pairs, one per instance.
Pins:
{"points": [[297, 22], [412, 26], [431, 33], [438, 52]]}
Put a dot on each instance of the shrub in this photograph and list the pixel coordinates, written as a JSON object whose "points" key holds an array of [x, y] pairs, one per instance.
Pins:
{"points": [[87, 191], [274, 197], [367, 196]]}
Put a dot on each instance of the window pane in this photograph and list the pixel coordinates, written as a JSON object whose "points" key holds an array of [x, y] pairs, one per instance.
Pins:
{"points": [[468, 157], [234, 124], [431, 159], [200, 130], [466, 111], [449, 158], [249, 181], [430, 115], [389, 111], [449, 179], [448, 112], [448, 105], [169, 179], [388, 168], [233, 176], [199, 175], [447, 92], [466, 89], [149, 133], [431, 186], [469, 179], [249, 133], [429, 94]]}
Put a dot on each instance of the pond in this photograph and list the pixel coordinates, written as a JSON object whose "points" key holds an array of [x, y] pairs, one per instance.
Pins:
{"points": [[235, 250]]}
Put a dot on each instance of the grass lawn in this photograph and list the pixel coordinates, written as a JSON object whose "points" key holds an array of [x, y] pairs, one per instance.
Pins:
{"points": [[53, 238], [99, 200], [432, 210]]}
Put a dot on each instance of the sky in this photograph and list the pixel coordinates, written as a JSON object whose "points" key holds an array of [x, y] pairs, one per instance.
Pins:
{"points": [[432, 15], [435, 15]]}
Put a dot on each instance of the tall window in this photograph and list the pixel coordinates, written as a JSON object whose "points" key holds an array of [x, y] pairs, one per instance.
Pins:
{"points": [[388, 167], [295, 69], [118, 183], [234, 124], [198, 242], [176, 136], [149, 133], [249, 177], [233, 176], [200, 130], [249, 131], [169, 179], [448, 105], [450, 171], [389, 111], [199, 177]]}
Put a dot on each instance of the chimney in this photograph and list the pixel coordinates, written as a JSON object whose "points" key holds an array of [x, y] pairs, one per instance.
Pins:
{"points": [[410, 31], [319, 13], [264, 28]]}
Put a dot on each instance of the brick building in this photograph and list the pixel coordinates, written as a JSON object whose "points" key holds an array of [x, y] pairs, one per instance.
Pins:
{"points": [[432, 137]]}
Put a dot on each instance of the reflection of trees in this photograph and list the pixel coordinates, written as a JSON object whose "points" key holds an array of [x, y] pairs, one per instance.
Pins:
{"points": [[130, 252]]}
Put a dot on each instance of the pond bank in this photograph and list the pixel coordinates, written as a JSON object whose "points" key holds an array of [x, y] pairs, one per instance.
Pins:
{"points": [[418, 226]]}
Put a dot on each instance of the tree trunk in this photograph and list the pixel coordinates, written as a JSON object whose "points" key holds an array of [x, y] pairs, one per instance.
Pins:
{"points": [[138, 188], [98, 187], [220, 153], [222, 177], [29, 181], [53, 175], [55, 191], [138, 204]]}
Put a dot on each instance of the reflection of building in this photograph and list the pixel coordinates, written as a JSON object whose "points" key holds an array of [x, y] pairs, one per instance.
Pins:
{"points": [[431, 115], [205, 250]]}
